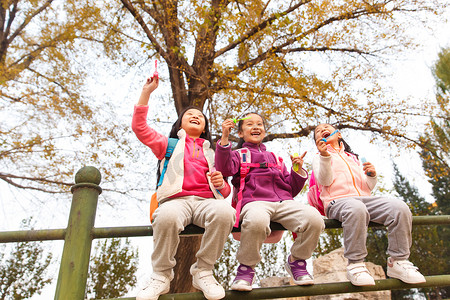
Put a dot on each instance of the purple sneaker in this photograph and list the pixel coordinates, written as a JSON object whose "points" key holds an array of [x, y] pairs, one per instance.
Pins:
{"points": [[244, 279], [298, 272]]}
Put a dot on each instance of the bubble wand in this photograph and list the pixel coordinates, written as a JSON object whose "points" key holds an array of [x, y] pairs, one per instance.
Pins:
{"points": [[237, 120], [155, 74], [325, 139]]}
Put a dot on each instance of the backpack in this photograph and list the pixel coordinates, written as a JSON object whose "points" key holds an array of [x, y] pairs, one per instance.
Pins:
{"points": [[313, 194], [236, 202], [172, 142], [315, 188]]}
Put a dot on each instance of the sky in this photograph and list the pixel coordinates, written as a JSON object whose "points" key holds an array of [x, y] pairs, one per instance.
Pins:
{"points": [[411, 77]]}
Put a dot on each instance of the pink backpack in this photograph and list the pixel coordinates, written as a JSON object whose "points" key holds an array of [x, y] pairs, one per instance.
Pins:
{"points": [[236, 202], [314, 194]]}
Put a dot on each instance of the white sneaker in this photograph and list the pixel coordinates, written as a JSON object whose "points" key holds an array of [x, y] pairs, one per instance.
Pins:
{"points": [[156, 286], [404, 270], [359, 275], [205, 282]]}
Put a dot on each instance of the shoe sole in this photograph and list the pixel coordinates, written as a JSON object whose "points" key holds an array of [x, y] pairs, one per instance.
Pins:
{"points": [[304, 282], [209, 296], [241, 288], [153, 298], [399, 277]]}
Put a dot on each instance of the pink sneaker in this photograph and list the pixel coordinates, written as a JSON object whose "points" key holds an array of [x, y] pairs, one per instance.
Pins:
{"points": [[298, 272], [244, 279]]}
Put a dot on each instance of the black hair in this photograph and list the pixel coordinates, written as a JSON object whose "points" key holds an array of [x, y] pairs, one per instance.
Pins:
{"points": [[347, 147], [206, 134], [241, 122]]}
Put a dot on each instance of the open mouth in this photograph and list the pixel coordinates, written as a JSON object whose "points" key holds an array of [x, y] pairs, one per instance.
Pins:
{"points": [[255, 133], [194, 121], [325, 135]]}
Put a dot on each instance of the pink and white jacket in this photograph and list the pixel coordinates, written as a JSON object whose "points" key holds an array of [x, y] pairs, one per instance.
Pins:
{"points": [[188, 165], [340, 175]]}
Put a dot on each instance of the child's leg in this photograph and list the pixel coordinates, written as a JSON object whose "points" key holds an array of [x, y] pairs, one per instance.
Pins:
{"points": [[217, 217], [255, 228], [170, 218], [305, 221], [396, 216], [355, 220]]}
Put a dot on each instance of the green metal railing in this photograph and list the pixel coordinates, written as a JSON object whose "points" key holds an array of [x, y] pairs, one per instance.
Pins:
{"points": [[80, 232]]}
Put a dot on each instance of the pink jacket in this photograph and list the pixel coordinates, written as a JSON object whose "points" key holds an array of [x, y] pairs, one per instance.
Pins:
{"points": [[188, 165], [340, 175]]}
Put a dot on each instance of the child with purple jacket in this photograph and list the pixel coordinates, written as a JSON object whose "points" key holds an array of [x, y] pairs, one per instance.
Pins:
{"points": [[267, 196]]}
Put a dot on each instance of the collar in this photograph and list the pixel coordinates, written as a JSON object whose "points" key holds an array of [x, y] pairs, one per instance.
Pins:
{"points": [[339, 150], [183, 135], [257, 147]]}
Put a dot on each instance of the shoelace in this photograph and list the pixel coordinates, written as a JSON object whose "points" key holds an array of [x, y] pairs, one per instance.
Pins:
{"points": [[298, 268], [245, 273]]}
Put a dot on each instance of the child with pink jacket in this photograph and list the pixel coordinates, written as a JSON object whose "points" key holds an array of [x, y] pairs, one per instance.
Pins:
{"points": [[191, 192], [345, 189]]}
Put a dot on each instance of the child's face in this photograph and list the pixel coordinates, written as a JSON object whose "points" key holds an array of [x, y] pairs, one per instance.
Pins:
{"points": [[193, 122], [253, 130], [323, 131]]}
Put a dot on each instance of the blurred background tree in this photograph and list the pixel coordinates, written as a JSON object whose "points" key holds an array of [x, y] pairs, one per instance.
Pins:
{"points": [[23, 272], [112, 269]]}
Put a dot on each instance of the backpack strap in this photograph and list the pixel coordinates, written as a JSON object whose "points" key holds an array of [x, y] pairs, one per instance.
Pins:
{"points": [[172, 142], [246, 164]]}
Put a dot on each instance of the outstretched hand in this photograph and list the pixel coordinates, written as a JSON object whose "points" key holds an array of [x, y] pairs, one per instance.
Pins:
{"points": [[150, 85], [227, 125]]}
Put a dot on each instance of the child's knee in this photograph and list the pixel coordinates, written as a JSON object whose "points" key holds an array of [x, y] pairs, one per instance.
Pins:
{"points": [[357, 212], [256, 225], [400, 208], [224, 214], [167, 218], [314, 218]]}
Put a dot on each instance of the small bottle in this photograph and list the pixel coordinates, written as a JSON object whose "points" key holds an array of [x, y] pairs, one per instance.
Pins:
{"points": [[364, 160], [295, 166]]}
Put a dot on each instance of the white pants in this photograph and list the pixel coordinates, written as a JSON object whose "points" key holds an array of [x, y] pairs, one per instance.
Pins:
{"points": [[172, 216], [256, 216]]}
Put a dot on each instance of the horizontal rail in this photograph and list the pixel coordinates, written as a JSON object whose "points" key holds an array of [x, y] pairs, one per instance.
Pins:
{"points": [[313, 290], [136, 231]]}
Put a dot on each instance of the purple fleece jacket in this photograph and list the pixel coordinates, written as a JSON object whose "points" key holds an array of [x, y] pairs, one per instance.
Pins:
{"points": [[261, 184]]}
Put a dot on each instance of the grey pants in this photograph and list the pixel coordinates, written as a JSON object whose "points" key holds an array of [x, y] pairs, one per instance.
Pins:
{"points": [[355, 214], [304, 220], [171, 217]]}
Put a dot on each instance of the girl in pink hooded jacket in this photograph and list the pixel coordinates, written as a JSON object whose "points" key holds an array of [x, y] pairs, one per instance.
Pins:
{"points": [[191, 192], [345, 189]]}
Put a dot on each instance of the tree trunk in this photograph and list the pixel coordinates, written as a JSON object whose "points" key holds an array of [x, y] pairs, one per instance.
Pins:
{"points": [[185, 257]]}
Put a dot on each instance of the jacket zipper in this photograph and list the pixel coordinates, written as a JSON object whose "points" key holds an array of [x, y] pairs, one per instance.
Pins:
{"points": [[350, 170]]}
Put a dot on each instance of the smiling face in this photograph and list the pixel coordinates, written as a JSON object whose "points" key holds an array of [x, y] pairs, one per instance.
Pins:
{"points": [[324, 131], [252, 130], [193, 122]]}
